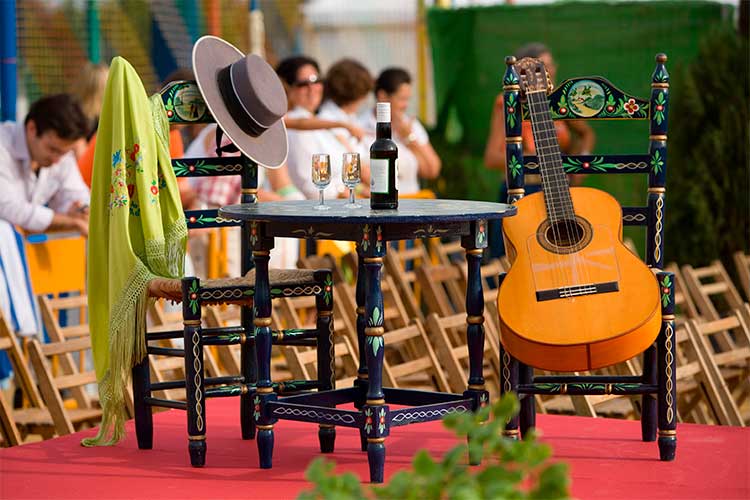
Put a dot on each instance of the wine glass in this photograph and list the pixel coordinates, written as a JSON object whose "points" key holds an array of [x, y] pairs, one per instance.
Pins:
{"points": [[321, 176], [351, 172]]}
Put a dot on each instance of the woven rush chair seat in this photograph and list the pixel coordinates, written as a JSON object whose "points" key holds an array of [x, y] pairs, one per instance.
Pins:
{"points": [[290, 282]]}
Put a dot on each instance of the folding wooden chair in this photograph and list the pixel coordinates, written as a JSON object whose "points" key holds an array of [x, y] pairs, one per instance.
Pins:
{"points": [[448, 335], [419, 370], [441, 290], [51, 310], [684, 306], [712, 290], [66, 420], [8, 430], [400, 265], [34, 416], [742, 262], [704, 396], [733, 365]]}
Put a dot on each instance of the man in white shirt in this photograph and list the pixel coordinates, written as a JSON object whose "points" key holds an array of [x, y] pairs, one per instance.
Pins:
{"points": [[40, 186]]}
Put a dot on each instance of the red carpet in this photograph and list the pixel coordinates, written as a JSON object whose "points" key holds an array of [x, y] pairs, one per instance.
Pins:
{"points": [[606, 457]]}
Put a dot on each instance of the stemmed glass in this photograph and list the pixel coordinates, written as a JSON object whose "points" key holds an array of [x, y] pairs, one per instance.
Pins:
{"points": [[351, 172], [321, 176]]}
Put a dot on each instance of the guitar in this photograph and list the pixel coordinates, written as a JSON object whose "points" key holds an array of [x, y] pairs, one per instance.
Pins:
{"points": [[575, 298]]}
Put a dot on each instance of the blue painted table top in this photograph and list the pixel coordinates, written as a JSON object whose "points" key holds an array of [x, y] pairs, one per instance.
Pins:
{"points": [[409, 212]]}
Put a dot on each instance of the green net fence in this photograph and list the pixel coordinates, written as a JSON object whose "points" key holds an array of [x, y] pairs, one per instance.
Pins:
{"points": [[615, 40]]}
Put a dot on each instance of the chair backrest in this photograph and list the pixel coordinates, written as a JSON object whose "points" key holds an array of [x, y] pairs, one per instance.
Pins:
{"points": [[185, 105], [712, 290], [684, 305], [448, 335], [51, 385], [603, 101], [742, 262], [700, 380], [410, 360], [23, 380]]}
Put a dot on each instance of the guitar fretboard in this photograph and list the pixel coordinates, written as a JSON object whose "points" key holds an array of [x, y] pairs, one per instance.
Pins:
{"points": [[554, 181]]}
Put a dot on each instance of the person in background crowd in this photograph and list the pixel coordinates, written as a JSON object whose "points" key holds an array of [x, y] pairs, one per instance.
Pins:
{"points": [[214, 192], [40, 186], [89, 90], [574, 137], [40, 190], [309, 134], [416, 157]]}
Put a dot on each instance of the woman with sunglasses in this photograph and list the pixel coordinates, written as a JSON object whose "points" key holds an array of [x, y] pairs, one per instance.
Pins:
{"points": [[309, 134]]}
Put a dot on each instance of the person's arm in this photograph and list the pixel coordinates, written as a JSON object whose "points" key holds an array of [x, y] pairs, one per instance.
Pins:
{"points": [[585, 136], [72, 190], [314, 123], [299, 166], [66, 222], [494, 151], [428, 161], [282, 185]]}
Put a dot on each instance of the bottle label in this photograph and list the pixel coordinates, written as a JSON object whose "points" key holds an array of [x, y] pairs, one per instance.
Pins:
{"points": [[379, 175]]}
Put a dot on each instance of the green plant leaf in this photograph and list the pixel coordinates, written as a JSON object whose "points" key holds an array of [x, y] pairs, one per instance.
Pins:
{"points": [[424, 464]]}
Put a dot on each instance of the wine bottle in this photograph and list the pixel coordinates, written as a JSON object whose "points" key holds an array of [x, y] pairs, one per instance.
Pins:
{"points": [[383, 157]]}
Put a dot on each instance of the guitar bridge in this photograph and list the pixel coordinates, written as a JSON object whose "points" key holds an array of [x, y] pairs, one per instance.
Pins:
{"points": [[577, 290]]}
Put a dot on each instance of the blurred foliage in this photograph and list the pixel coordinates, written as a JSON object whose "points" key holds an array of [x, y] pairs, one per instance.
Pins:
{"points": [[708, 178], [514, 469]]}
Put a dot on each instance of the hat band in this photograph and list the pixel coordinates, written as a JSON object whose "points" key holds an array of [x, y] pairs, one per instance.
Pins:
{"points": [[236, 110]]}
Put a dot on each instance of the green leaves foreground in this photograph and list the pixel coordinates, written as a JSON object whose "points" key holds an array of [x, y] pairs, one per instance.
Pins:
{"points": [[511, 468]]}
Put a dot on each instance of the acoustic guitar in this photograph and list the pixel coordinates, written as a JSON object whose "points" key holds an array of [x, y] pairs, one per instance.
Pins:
{"points": [[575, 298]]}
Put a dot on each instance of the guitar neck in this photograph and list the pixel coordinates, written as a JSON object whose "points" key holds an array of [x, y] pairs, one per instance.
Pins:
{"points": [[554, 181]]}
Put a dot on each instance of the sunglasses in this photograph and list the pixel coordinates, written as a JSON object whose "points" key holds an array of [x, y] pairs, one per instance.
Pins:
{"points": [[311, 80]]}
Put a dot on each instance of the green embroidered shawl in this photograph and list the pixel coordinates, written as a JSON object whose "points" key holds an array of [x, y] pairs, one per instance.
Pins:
{"points": [[137, 231]]}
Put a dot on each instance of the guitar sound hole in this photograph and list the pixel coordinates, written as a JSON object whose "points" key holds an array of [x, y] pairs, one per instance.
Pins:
{"points": [[565, 236], [565, 233]]}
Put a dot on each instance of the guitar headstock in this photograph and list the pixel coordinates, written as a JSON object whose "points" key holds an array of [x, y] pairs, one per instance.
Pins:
{"points": [[533, 76]]}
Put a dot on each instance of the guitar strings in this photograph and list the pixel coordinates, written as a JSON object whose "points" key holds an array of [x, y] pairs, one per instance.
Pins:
{"points": [[544, 140], [558, 273]]}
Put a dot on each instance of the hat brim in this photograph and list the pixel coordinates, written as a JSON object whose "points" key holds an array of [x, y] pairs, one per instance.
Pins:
{"points": [[210, 55]]}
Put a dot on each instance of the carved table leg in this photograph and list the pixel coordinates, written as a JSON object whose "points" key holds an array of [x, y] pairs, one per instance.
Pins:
{"points": [[361, 382], [474, 244], [376, 412]]}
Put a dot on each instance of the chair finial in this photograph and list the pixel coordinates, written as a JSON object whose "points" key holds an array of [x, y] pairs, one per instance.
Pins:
{"points": [[661, 57], [510, 60]]}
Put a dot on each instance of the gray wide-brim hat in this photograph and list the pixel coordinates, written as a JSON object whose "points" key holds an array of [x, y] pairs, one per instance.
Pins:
{"points": [[245, 97]]}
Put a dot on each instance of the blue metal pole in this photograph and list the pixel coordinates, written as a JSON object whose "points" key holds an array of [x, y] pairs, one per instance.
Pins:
{"points": [[8, 70], [93, 29]]}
